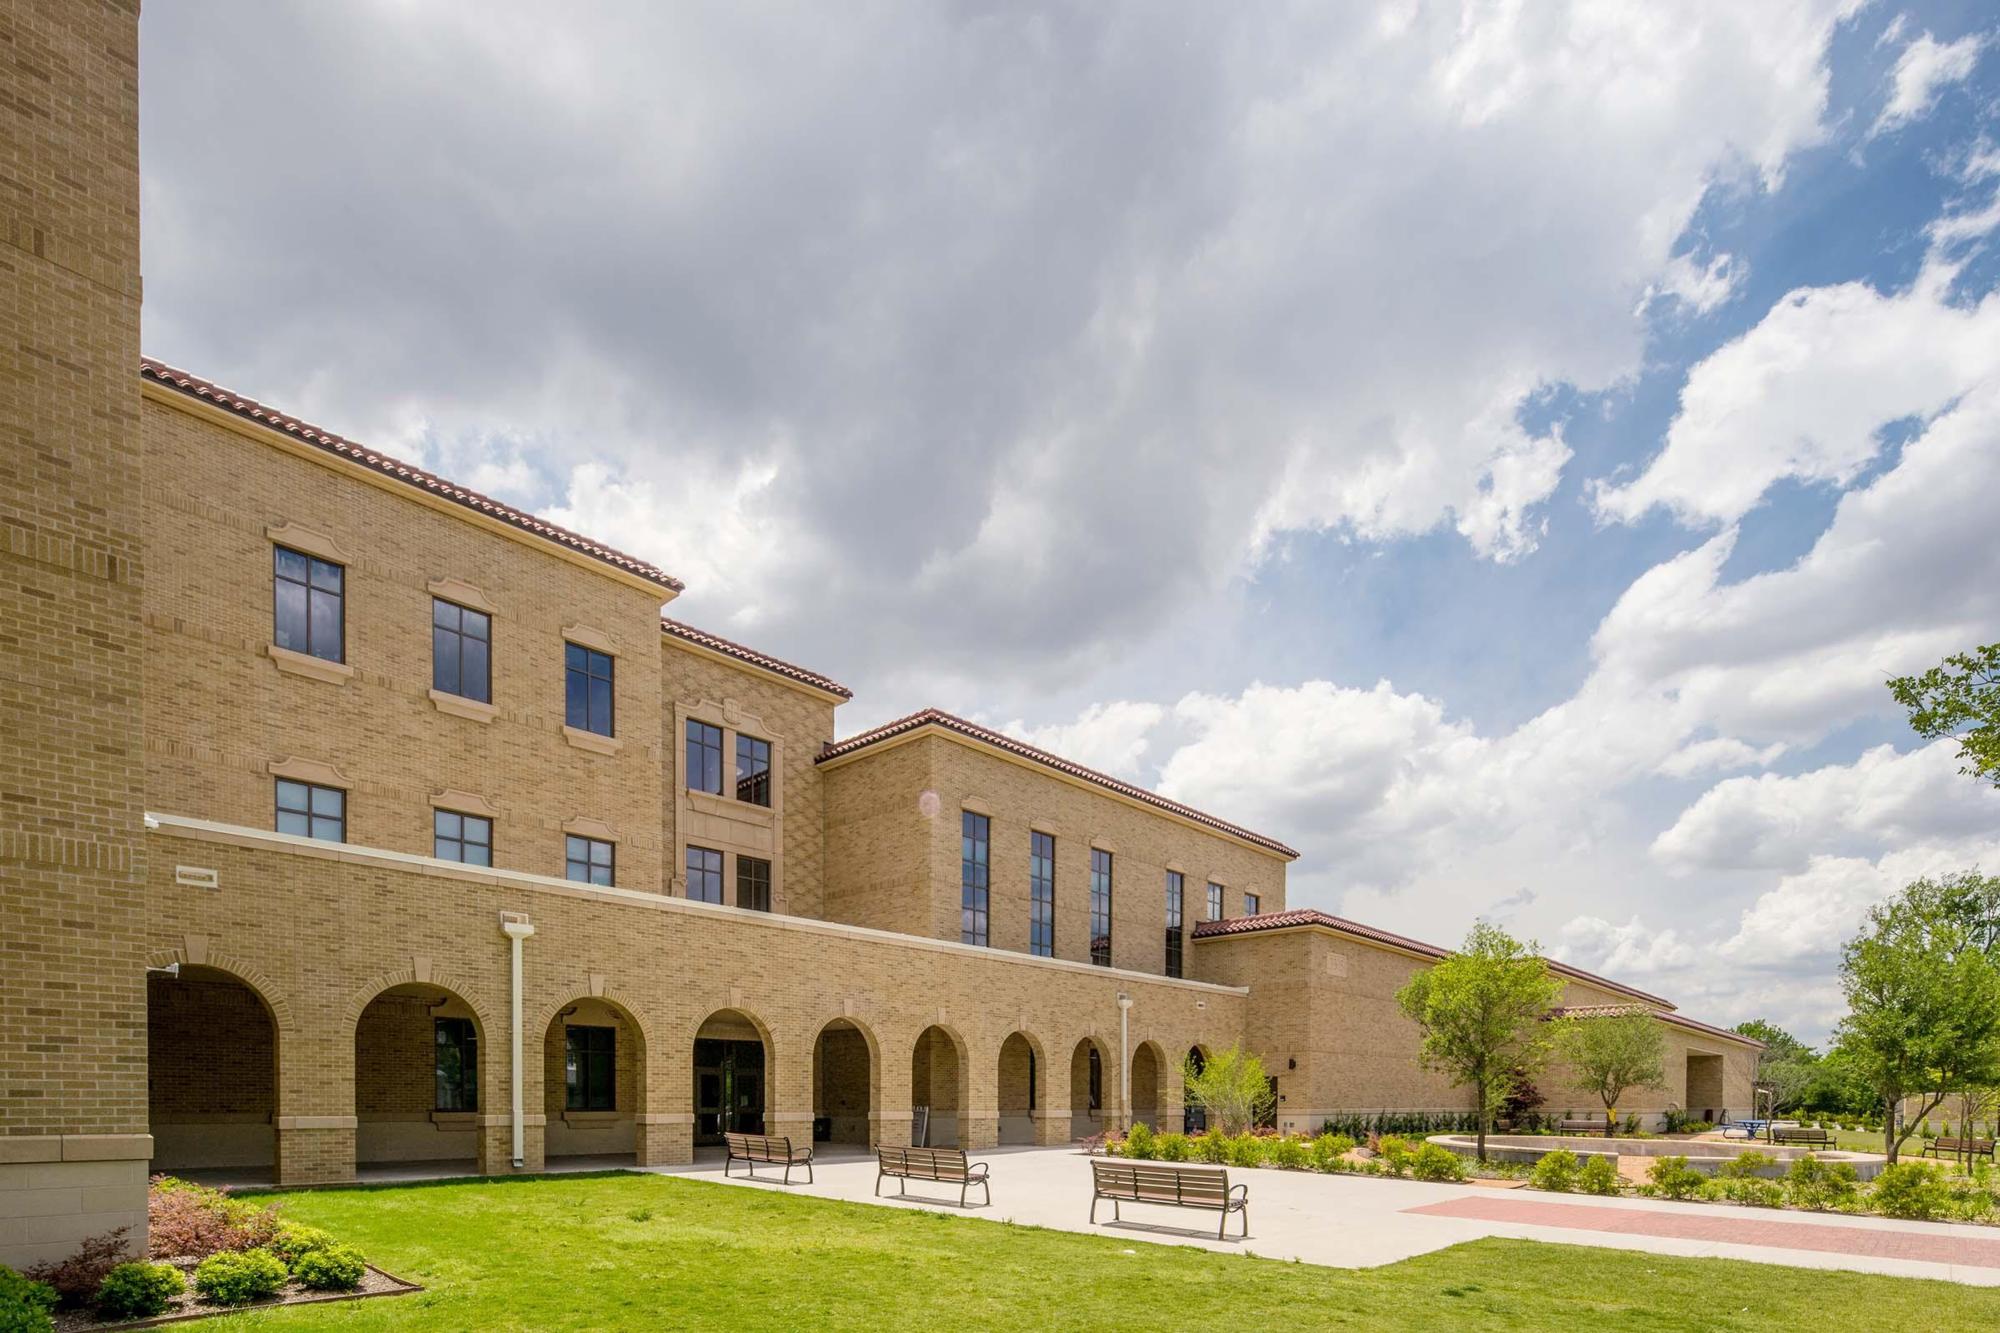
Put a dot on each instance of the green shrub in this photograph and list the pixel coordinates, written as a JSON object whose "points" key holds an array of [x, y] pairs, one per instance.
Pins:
{"points": [[1434, 1161], [1291, 1152], [1599, 1176], [1673, 1178], [294, 1240], [235, 1277], [1556, 1172], [139, 1290], [1139, 1141], [25, 1305], [1747, 1189], [1913, 1190], [1328, 1149], [1247, 1150], [1819, 1185], [1212, 1147], [1394, 1154], [1746, 1166], [1172, 1147], [337, 1268]]}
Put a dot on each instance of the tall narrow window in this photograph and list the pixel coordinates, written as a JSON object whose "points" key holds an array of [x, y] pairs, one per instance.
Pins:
{"points": [[1042, 895], [704, 874], [587, 694], [1176, 891], [1096, 1080], [461, 651], [590, 1068], [312, 811], [1032, 1079], [1251, 904], [1100, 907], [308, 611], [457, 1064], [588, 860], [753, 883], [704, 757], [1214, 901], [457, 837], [753, 770], [973, 835]]}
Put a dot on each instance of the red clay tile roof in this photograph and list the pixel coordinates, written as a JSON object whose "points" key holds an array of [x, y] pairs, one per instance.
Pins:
{"points": [[1306, 916], [933, 717], [1678, 1020], [716, 643], [194, 387]]}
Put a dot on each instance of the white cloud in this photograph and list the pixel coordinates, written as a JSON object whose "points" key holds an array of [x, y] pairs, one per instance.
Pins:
{"points": [[1803, 921], [1112, 738], [1926, 67], [1698, 286], [1633, 950], [1718, 754]]}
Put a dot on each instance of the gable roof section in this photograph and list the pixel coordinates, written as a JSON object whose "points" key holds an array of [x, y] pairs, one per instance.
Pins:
{"points": [[715, 643], [1297, 918], [1678, 1020], [951, 725], [191, 386]]}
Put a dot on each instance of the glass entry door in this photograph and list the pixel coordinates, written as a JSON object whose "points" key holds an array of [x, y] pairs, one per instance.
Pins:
{"points": [[728, 1088]]}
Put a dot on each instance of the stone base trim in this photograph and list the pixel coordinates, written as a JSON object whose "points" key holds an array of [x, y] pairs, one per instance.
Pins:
{"points": [[284, 1122], [76, 1148]]}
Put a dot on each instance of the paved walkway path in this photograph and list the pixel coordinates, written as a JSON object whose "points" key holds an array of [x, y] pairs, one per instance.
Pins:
{"points": [[1360, 1222]]}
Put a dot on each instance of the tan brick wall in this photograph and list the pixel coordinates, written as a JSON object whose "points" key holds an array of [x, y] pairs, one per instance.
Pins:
{"points": [[72, 993], [894, 852]]}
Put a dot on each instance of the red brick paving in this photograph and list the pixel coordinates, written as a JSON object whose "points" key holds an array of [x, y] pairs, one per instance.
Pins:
{"points": [[1729, 1228]]}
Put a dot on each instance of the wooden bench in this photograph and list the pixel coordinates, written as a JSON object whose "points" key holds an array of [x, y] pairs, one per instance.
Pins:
{"points": [[769, 1149], [1174, 1186], [945, 1165], [1817, 1138], [1588, 1125], [1966, 1148]]}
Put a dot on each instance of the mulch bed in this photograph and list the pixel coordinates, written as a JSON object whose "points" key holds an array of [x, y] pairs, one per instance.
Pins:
{"points": [[188, 1306]]}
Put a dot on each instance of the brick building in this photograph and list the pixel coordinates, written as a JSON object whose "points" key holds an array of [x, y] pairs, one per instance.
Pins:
{"points": [[348, 817]]}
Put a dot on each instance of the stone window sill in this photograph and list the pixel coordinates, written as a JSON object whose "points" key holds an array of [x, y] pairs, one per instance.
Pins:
{"points": [[460, 706], [455, 1119], [729, 807], [312, 668], [591, 741], [589, 1118]]}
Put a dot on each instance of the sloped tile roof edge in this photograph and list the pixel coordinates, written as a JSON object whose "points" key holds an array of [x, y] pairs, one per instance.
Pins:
{"points": [[935, 717], [250, 409], [1306, 916], [728, 648], [1665, 1016]]}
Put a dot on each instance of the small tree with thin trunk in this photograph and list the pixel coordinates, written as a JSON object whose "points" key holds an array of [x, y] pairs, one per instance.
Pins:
{"points": [[1231, 1087], [1481, 1013], [1608, 1053]]}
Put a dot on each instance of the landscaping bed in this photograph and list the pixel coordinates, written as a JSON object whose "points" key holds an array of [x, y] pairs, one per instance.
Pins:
{"points": [[189, 1305]]}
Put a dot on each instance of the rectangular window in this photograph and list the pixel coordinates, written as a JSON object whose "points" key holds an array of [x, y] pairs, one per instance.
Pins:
{"points": [[753, 770], [457, 837], [1176, 891], [753, 884], [704, 874], [312, 811], [588, 860], [308, 610], [457, 1047], [1215, 902], [1250, 904], [974, 832], [461, 651], [704, 757], [590, 1068], [1100, 907], [1042, 895], [587, 688]]}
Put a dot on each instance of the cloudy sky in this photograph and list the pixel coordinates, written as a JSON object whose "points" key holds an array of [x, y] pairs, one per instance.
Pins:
{"points": [[1499, 448]]}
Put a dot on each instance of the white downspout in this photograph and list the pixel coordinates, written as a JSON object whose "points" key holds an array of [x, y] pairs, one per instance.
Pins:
{"points": [[1125, 1061], [515, 926]]}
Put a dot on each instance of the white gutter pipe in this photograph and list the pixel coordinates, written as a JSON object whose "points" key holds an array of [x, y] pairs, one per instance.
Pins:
{"points": [[1125, 1060], [516, 928]]}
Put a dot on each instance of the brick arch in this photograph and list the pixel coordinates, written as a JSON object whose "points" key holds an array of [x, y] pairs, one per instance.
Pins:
{"points": [[258, 982], [360, 999], [615, 999]]}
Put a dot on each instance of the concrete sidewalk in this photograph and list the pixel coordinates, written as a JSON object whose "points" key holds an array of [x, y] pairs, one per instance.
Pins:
{"points": [[1360, 1222]]}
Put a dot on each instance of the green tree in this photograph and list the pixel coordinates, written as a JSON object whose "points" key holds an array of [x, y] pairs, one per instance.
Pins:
{"points": [[1608, 1053], [1480, 1011], [1959, 698], [1786, 1067], [1923, 1004], [1231, 1087]]}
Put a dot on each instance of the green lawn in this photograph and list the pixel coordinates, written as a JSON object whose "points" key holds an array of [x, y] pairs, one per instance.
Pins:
{"points": [[636, 1251]]}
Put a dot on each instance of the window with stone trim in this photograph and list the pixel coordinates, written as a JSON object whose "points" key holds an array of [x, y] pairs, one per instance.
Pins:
{"points": [[461, 837], [753, 883], [1251, 904], [312, 811], [308, 605], [590, 1068], [704, 757], [457, 1064], [1214, 901], [974, 845], [589, 860], [461, 651], [588, 697], [704, 874], [1176, 892], [1100, 907], [753, 770], [1042, 895]]}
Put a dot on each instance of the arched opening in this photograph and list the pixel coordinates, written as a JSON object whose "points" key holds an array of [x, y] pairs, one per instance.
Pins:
{"points": [[1020, 1088], [1147, 1076], [593, 1082], [211, 1075], [843, 1084], [1091, 1089], [1193, 1116], [419, 1078], [938, 1091], [731, 1058]]}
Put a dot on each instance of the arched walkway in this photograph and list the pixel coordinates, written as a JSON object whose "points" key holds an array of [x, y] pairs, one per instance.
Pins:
{"points": [[844, 1078], [211, 1073], [1148, 1077], [938, 1081], [1092, 1089], [1021, 1087], [732, 1063], [422, 1075], [593, 1080]]}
